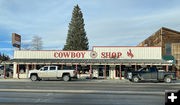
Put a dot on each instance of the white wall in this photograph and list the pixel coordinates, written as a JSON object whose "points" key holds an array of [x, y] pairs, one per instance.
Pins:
{"points": [[99, 53]]}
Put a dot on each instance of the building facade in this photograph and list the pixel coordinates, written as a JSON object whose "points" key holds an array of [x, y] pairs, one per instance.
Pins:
{"points": [[108, 62], [169, 40]]}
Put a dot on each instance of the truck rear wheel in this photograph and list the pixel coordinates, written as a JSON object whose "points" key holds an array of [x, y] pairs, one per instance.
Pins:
{"points": [[66, 78], [167, 79], [135, 79], [34, 77]]}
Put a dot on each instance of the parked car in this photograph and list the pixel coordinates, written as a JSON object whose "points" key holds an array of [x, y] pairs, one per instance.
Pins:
{"points": [[53, 73], [151, 73]]}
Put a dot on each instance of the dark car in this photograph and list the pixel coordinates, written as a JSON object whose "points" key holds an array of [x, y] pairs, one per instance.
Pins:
{"points": [[151, 73]]}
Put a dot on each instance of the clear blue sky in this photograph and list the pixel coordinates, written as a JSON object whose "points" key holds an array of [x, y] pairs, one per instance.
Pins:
{"points": [[107, 22]]}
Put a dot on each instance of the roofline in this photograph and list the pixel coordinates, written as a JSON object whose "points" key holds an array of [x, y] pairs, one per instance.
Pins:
{"points": [[87, 50], [161, 33], [170, 30]]}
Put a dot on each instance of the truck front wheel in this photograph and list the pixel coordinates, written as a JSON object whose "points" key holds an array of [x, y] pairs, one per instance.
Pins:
{"points": [[34, 77], [135, 79], [167, 79], [66, 78]]}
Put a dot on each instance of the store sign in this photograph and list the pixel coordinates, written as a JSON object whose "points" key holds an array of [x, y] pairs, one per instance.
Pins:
{"points": [[96, 53], [16, 40], [69, 54]]}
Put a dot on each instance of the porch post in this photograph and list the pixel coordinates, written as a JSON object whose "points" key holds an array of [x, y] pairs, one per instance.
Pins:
{"points": [[105, 71], [120, 71], [27, 69], [76, 68], [61, 66], [167, 68], [4, 70], [18, 70], [90, 71]]}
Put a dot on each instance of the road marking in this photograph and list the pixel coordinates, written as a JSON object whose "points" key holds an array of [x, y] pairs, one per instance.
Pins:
{"points": [[81, 91]]}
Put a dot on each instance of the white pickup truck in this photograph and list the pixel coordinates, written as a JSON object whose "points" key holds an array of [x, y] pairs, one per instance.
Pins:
{"points": [[53, 73]]}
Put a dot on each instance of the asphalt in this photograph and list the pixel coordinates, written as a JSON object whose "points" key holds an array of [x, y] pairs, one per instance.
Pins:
{"points": [[83, 92]]}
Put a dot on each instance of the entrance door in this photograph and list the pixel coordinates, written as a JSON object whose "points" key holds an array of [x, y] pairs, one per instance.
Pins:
{"points": [[101, 72]]}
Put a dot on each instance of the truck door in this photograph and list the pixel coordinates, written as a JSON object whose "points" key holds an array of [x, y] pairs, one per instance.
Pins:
{"points": [[52, 72], [154, 73], [145, 73], [43, 72]]}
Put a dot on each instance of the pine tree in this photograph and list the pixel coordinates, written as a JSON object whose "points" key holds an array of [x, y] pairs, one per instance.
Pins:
{"points": [[4, 57], [76, 38]]}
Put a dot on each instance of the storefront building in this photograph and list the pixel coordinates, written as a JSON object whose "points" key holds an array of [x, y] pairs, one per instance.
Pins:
{"points": [[108, 62], [169, 40]]}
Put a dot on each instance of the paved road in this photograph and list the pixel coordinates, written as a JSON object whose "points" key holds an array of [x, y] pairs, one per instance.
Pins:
{"points": [[83, 93]]}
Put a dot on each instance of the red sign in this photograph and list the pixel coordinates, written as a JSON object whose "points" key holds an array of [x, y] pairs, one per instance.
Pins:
{"points": [[69, 54], [111, 54], [130, 54]]}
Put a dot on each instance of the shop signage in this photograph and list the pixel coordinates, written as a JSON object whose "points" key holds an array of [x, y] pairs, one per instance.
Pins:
{"points": [[96, 53], [16, 40], [69, 54]]}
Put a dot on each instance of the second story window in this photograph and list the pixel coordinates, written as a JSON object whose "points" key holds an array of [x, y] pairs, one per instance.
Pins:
{"points": [[168, 49]]}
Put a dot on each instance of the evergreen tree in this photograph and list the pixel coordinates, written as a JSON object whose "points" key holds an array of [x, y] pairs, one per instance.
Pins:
{"points": [[4, 57], [76, 38]]}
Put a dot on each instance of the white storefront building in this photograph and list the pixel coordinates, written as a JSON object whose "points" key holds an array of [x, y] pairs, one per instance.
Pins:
{"points": [[109, 62]]}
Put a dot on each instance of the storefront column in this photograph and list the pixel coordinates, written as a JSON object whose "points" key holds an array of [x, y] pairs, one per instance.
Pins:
{"points": [[34, 66], [167, 67], [76, 68], [135, 67], [18, 71], [27, 70], [14, 70], [120, 71], [90, 71], [105, 72], [4, 70]]}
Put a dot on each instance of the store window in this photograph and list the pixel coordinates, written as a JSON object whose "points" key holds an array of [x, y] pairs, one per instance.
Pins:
{"points": [[83, 69], [168, 49], [22, 69], [68, 67]]}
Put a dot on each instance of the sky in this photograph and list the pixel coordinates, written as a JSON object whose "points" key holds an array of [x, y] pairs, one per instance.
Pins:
{"points": [[107, 22]]}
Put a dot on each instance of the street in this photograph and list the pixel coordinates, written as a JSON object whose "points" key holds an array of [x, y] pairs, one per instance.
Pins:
{"points": [[83, 92]]}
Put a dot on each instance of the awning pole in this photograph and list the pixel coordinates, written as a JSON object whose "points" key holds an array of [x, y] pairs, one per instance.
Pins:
{"points": [[90, 71], [4, 70], [167, 67], [76, 68], [18, 70], [105, 72], [120, 71]]}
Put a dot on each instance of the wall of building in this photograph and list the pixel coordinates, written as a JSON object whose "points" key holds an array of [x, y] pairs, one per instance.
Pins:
{"points": [[118, 52], [169, 37], [153, 40], [163, 37]]}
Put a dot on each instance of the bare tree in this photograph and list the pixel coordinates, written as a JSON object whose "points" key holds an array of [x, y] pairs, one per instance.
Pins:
{"points": [[27, 46], [37, 43]]}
